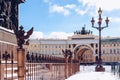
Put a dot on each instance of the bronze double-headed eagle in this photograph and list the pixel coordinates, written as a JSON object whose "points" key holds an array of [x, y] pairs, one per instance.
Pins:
{"points": [[22, 36]]}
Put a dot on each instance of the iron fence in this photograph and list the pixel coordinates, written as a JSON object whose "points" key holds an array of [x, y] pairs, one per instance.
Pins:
{"points": [[37, 67], [8, 66], [115, 69]]}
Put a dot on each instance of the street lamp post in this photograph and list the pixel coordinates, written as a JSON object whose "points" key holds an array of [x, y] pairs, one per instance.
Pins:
{"points": [[99, 67]]}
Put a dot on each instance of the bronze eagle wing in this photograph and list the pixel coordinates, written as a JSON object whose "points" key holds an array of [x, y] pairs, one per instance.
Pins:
{"points": [[28, 34]]}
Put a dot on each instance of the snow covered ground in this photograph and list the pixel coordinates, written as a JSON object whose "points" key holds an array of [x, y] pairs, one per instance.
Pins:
{"points": [[88, 73]]}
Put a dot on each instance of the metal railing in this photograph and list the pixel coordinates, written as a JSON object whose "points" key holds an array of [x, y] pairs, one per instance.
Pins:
{"points": [[45, 71], [38, 67], [115, 69], [46, 67], [8, 66]]}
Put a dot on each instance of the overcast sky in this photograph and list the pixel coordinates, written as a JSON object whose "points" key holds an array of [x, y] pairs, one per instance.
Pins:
{"points": [[60, 18]]}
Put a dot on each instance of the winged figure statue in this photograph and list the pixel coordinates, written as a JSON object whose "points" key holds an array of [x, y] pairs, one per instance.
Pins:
{"points": [[22, 36]]}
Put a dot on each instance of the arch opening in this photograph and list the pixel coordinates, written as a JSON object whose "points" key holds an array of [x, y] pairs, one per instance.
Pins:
{"points": [[84, 53]]}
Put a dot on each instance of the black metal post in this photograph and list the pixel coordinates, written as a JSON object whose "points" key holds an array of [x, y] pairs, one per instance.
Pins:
{"points": [[0, 65], [12, 63], [99, 67], [6, 56]]}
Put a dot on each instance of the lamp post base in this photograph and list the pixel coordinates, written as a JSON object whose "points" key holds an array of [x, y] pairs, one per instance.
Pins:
{"points": [[99, 68]]}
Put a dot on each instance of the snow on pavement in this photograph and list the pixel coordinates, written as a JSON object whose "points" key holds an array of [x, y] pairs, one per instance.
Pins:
{"points": [[88, 73]]}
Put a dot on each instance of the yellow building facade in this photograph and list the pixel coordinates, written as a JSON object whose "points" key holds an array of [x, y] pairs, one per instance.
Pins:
{"points": [[86, 50], [83, 46], [111, 50]]}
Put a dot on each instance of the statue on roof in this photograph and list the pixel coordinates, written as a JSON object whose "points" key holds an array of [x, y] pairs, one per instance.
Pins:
{"points": [[83, 31]]}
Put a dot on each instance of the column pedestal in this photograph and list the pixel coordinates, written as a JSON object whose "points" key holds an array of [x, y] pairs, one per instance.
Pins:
{"points": [[21, 63]]}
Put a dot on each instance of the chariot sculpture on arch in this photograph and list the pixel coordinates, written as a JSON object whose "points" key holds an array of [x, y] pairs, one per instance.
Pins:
{"points": [[22, 36]]}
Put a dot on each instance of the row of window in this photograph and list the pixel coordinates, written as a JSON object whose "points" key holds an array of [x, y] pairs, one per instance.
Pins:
{"points": [[110, 44], [111, 51], [46, 53], [49, 46], [58, 46], [111, 59]]}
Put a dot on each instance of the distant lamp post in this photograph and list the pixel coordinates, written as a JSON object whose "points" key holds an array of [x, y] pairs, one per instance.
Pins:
{"points": [[99, 67]]}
